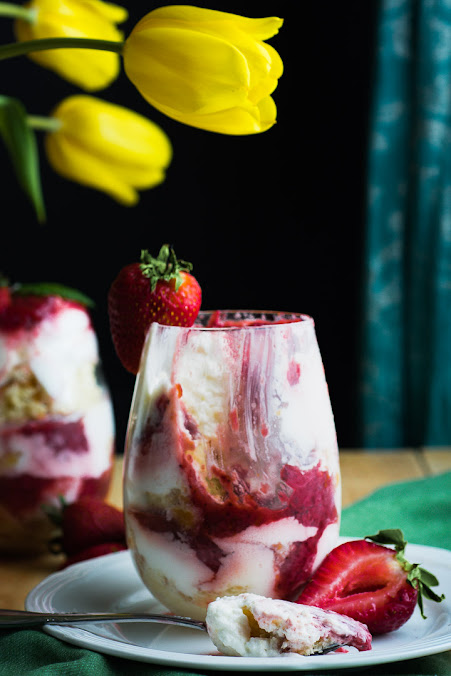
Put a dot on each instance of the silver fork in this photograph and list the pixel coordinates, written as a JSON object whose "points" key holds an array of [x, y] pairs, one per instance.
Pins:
{"points": [[10, 619]]}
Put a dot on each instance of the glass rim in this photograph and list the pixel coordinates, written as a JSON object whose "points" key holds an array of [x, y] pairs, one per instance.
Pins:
{"points": [[271, 318]]}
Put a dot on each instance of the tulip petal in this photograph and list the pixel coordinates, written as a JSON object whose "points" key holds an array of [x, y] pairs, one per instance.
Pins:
{"points": [[105, 146], [76, 164], [265, 67], [206, 68], [185, 70], [239, 121], [87, 68], [113, 132], [216, 22], [109, 10]]}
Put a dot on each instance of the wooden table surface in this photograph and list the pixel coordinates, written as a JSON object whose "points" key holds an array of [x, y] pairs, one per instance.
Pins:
{"points": [[362, 473]]}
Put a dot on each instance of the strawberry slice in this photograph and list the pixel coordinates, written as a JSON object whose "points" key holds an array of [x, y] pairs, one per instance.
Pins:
{"points": [[371, 582], [157, 289]]}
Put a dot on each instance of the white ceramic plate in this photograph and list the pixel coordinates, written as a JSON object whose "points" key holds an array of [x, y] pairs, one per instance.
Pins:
{"points": [[111, 583]]}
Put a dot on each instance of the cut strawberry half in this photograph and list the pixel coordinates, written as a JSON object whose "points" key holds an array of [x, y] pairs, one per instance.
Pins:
{"points": [[370, 582]]}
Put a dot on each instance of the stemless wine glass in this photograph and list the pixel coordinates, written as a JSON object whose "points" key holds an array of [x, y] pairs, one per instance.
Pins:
{"points": [[232, 479]]}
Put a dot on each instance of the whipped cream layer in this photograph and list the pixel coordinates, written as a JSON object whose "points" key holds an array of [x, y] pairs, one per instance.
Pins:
{"points": [[58, 354], [232, 479], [249, 625]]}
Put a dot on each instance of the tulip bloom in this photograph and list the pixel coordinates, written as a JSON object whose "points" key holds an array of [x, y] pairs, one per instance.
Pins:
{"points": [[107, 147], [89, 69], [206, 68]]}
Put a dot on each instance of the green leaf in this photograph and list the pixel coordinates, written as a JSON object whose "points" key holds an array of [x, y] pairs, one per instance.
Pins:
{"points": [[390, 536], [428, 578], [166, 266], [422, 580], [53, 289], [21, 144]]}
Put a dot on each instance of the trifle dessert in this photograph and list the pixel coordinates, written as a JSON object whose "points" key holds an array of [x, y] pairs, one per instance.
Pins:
{"points": [[56, 417], [232, 480]]}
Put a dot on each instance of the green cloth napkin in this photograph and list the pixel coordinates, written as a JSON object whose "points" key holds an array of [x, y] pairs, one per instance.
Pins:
{"points": [[421, 508]]}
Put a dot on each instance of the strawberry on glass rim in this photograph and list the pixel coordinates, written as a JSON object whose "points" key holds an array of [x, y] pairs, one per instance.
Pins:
{"points": [[157, 289], [371, 582]]}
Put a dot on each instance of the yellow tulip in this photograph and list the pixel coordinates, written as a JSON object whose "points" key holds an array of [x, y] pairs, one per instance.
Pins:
{"points": [[206, 68], [107, 147], [89, 69]]}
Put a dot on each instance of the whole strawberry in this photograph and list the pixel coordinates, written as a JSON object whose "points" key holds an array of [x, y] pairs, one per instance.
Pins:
{"points": [[5, 294], [87, 527], [90, 521], [371, 583], [92, 552], [157, 289]]}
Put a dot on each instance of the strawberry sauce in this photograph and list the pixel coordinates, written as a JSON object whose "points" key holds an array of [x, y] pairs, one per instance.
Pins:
{"points": [[218, 320], [55, 435], [28, 311], [25, 494], [241, 509]]}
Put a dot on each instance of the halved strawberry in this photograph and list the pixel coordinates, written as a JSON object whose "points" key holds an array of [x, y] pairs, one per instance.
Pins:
{"points": [[155, 290], [371, 582]]}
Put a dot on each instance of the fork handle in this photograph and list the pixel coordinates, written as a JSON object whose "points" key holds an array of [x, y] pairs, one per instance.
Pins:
{"points": [[25, 618]]}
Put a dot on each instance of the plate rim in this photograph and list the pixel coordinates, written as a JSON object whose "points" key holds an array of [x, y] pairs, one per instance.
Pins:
{"points": [[83, 638]]}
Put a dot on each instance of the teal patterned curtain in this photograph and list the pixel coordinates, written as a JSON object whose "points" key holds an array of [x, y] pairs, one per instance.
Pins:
{"points": [[406, 304]]}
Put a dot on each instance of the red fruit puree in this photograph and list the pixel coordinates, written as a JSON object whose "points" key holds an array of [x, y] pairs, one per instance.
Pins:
{"points": [[236, 514], [307, 496], [27, 311]]}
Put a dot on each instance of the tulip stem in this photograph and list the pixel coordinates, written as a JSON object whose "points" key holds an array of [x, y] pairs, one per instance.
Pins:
{"points": [[43, 123], [12, 11], [20, 48]]}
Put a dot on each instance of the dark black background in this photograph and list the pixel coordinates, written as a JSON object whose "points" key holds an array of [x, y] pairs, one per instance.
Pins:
{"points": [[271, 221]]}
